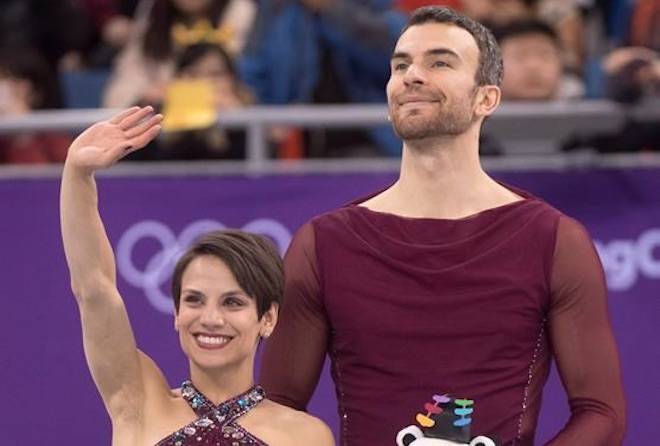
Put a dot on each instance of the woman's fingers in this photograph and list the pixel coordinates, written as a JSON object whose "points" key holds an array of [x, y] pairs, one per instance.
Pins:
{"points": [[145, 137], [134, 130], [143, 126], [132, 119], [118, 118], [125, 147], [109, 157], [147, 132]]}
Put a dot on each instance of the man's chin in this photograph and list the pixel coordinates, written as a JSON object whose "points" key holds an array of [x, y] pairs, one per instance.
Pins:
{"points": [[413, 133]]}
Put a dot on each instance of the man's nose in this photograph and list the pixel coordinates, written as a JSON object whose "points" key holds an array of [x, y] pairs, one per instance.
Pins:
{"points": [[414, 75]]}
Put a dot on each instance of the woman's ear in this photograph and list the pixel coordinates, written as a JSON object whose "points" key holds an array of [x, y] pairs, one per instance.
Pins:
{"points": [[269, 320]]}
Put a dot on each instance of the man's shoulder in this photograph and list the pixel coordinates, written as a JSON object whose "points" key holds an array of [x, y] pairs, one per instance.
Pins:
{"points": [[536, 208], [338, 216], [345, 211], [540, 206]]}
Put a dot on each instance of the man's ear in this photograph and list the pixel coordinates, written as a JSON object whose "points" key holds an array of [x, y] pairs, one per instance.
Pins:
{"points": [[487, 100]]}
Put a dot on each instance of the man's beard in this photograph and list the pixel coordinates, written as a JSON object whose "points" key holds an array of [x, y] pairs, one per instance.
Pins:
{"points": [[446, 121]]}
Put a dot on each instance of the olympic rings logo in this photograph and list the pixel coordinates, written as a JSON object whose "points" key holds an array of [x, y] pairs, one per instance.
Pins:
{"points": [[160, 266]]}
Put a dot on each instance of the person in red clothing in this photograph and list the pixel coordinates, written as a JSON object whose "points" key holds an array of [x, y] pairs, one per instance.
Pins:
{"points": [[447, 282], [27, 85]]}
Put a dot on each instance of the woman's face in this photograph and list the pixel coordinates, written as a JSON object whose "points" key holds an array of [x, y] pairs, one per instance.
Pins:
{"points": [[15, 95], [217, 321], [212, 68]]}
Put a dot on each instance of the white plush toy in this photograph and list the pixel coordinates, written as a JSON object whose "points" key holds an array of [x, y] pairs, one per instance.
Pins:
{"points": [[413, 436], [446, 421]]}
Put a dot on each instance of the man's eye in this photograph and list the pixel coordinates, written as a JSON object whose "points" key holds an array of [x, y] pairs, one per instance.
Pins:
{"points": [[440, 64], [400, 66]]}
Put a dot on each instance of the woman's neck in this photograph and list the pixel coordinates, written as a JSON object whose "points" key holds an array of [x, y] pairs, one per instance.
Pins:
{"points": [[222, 384]]}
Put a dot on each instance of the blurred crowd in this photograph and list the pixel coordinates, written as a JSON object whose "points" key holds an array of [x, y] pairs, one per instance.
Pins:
{"points": [[196, 58]]}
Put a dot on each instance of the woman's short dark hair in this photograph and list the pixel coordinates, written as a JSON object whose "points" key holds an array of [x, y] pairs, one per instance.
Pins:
{"points": [[252, 259], [490, 69]]}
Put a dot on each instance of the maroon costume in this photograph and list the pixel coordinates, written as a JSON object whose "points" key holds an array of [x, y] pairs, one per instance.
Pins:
{"points": [[475, 307], [216, 425]]}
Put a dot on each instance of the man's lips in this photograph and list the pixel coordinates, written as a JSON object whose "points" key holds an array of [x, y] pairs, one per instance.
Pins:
{"points": [[416, 100]]}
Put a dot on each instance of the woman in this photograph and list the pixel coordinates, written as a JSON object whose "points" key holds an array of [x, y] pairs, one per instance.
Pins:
{"points": [[211, 65], [27, 84], [226, 292], [163, 28]]}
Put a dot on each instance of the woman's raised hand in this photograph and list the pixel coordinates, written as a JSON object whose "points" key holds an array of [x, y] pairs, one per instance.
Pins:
{"points": [[106, 142]]}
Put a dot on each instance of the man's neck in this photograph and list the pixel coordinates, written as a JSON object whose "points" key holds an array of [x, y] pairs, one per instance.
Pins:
{"points": [[442, 178]]}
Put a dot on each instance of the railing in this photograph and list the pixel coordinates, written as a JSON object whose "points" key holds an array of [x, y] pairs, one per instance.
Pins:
{"points": [[536, 127]]}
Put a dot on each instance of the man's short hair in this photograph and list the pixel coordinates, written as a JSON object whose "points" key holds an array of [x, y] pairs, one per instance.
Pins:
{"points": [[524, 28], [490, 68]]}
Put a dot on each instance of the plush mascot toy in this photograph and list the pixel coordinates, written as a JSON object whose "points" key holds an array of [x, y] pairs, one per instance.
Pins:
{"points": [[446, 422]]}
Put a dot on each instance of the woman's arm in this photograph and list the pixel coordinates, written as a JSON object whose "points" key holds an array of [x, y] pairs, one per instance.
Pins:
{"points": [[108, 339]]}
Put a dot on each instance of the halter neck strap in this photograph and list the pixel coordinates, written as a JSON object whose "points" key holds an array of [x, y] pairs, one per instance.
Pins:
{"points": [[226, 411]]}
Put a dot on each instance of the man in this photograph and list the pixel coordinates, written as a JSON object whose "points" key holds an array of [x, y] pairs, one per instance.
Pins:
{"points": [[532, 57], [325, 51], [447, 281]]}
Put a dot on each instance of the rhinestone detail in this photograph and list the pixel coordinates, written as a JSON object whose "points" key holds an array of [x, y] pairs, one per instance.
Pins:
{"points": [[216, 425]]}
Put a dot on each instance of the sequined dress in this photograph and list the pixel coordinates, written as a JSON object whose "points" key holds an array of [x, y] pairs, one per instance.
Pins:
{"points": [[216, 425]]}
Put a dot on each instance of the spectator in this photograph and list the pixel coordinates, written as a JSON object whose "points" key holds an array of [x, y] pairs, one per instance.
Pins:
{"points": [[56, 28], [645, 24], [633, 77], [532, 63], [566, 18], [162, 28], [500, 13], [563, 16], [633, 73], [111, 25], [210, 63], [325, 51], [26, 84]]}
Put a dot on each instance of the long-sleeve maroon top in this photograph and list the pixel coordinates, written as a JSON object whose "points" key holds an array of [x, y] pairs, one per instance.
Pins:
{"points": [[475, 307]]}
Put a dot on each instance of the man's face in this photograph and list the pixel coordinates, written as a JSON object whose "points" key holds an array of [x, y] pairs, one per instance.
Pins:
{"points": [[432, 84], [532, 68]]}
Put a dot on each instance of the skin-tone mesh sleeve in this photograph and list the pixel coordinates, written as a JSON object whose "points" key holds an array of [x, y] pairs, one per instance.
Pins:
{"points": [[294, 355], [583, 344]]}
